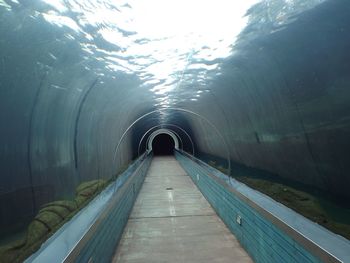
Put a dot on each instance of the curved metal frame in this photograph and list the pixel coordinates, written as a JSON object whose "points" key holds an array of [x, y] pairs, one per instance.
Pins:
{"points": [[144, 135], [158, 132], [182, 110], [168, 124]]}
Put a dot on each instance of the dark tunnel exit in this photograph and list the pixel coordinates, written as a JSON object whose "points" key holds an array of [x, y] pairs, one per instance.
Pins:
{"points": [[163, 144]]}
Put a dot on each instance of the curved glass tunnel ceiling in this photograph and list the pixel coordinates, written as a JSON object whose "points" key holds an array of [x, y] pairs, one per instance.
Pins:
{"points": [[267, 83]]}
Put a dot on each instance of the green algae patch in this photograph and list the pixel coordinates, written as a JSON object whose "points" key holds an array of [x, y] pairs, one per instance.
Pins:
{"points": [[49, 219]]}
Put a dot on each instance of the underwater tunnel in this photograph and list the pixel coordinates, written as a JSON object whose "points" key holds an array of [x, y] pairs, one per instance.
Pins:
{"points": [[257, 91]]}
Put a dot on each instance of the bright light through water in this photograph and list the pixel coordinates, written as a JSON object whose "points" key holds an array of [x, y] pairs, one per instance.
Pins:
{"points": [[158, 40]]}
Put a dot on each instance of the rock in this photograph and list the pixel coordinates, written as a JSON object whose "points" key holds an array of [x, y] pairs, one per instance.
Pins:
{"points": [[88, 189], [68, 204], [36, 231]]}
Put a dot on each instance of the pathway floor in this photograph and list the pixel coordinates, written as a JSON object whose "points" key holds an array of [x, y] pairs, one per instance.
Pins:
{"points": [[172, 222]]}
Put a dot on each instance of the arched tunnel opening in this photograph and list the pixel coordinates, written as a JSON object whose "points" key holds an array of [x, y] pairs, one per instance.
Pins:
{"points": [[162, 145]]}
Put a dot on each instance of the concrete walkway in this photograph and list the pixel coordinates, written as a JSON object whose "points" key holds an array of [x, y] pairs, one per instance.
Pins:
{"points": [[172, 222]]}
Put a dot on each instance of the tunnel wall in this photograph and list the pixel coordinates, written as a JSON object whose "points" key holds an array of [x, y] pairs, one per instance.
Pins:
{"points": [[60, 120], [282, 100]]}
